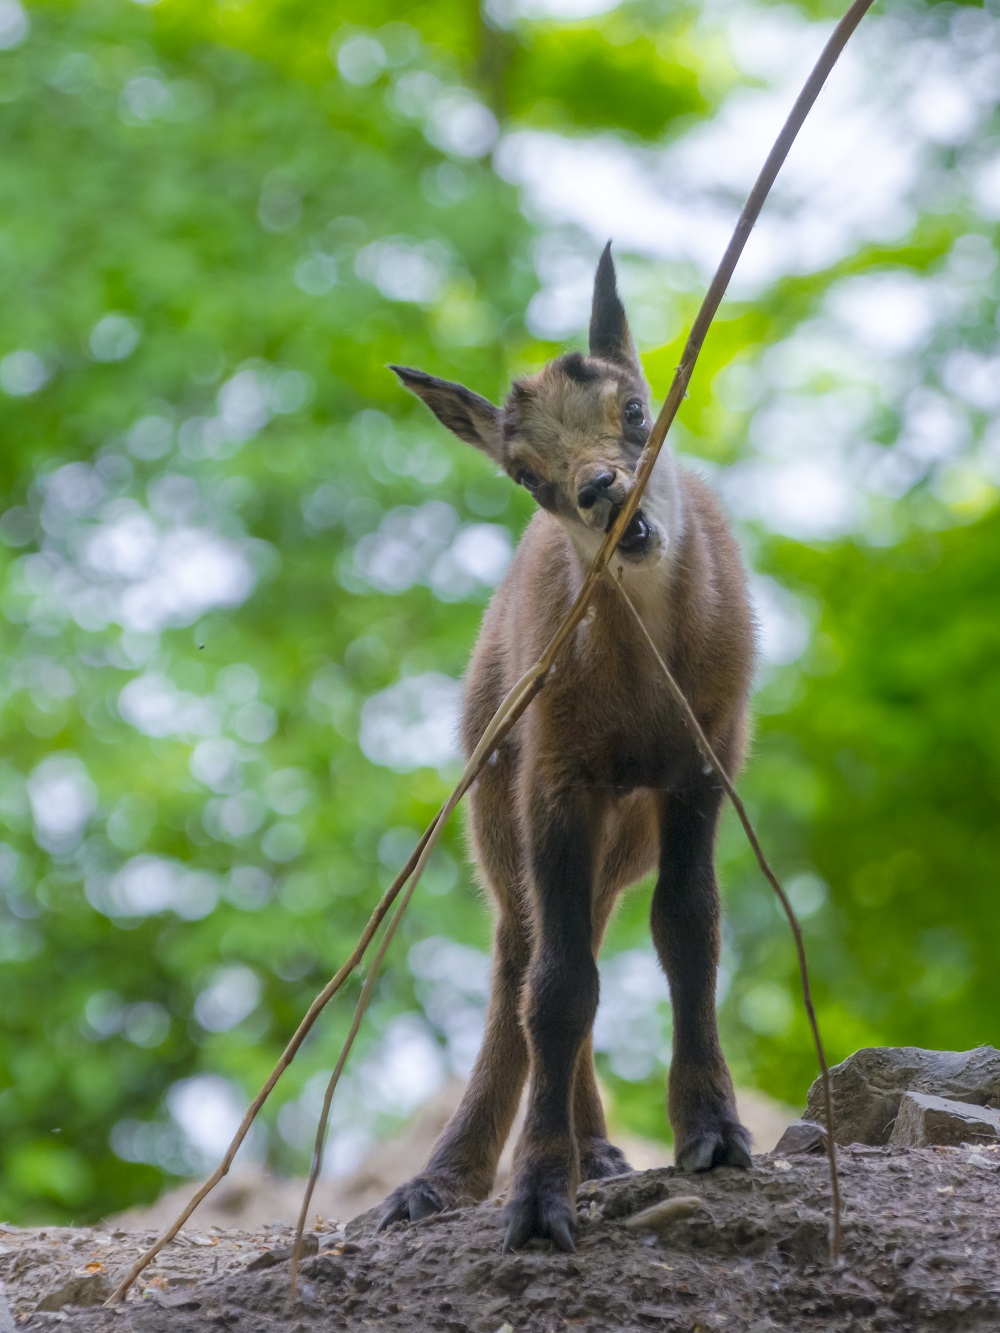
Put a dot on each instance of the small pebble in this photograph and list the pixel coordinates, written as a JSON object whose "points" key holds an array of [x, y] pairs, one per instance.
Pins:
{"points": [[977, 1159], [281, 1253]]}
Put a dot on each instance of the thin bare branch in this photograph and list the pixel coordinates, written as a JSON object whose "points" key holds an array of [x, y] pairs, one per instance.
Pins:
{"points": [[508, 713], [331, 1087], [526, 689], [711, 758], [287, 1056], [517, 700], [707, 312]]}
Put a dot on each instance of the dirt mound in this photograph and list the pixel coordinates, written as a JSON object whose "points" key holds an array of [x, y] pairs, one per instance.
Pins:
{"points": [[749, 1255], [249, 1198]]}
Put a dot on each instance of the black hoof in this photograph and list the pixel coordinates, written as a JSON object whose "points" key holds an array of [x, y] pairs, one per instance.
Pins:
{"points": [[541, 1214], [726, 1145], [600, 1160], [417, 1199]]}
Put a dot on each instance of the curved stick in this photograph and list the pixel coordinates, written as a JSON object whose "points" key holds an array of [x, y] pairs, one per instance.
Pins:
{"points": [[710, 757], [287, 1056], [517, 702], [513, 706], [508, 713]]}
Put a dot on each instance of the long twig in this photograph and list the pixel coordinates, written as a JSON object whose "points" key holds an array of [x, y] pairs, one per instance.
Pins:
{"points": [[338, 1069], [287, 1056], [520, 698], [678, 388], [710, 757], [517, 700]]}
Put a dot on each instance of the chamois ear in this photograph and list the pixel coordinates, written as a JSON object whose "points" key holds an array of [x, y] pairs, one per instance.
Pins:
{"points": [[466, 414], [610, 336]]}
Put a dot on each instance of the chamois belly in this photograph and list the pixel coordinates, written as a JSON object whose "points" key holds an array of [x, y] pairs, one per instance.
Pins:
{"points": [[626, 758], [631, 770]]}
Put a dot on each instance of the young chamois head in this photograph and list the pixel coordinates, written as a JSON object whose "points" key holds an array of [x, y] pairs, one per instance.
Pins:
{"points": [[572, 434]]}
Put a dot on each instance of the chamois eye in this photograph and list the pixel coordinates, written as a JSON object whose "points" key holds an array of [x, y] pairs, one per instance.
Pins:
{"points": [[634, 413], [527, 479]]}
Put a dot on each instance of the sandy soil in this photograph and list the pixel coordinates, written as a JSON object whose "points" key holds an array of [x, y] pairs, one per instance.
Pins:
{"points": [[922, 1252]]}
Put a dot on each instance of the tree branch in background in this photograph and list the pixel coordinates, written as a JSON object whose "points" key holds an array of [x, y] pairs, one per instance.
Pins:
{"points": [[530, 684]]}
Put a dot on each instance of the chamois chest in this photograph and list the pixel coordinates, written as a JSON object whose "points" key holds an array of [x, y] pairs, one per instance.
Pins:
{"points": [[618, 726]]}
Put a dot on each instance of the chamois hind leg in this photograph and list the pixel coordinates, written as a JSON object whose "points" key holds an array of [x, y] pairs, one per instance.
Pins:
{"points": [[685, 923], [632, 841], [558, 1008], [463, 1162], [599, 1158], [462, 1165], [464, 1159]]}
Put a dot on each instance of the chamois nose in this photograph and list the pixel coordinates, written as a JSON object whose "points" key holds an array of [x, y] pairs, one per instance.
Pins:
{"points": [[595, 489]]}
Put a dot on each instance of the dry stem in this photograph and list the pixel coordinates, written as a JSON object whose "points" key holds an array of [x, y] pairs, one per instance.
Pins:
{"points": [[710, 757], [518, 698], [287, 1056], [512, 707], [522, 694]]}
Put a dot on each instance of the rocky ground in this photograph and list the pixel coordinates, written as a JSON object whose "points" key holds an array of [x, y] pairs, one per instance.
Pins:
{"points": [[921, 1252], [745, 1251]]}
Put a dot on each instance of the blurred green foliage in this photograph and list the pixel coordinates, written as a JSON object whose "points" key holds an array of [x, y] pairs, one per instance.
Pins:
{"points": [[240, 574]]}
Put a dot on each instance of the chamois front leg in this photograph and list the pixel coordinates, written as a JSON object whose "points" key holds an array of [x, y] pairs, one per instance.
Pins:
{"points": [[558, 1010], [685, 923]]}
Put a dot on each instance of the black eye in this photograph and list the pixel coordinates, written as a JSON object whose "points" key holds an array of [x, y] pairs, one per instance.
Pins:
{"points": [[635, 414], [527, 479]]}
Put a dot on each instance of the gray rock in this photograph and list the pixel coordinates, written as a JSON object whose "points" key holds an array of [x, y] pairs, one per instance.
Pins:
{"points": [[868, 1085], [801, 1136], [176, 1300], [6, 1318], [325, 1268], [980, 1159], [91, 1290], [923, 1120], [282, 1253]]}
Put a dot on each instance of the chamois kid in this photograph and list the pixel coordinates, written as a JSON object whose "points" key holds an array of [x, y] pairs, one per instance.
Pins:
{"points": [[598, 784]]}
